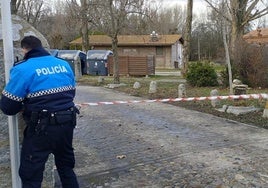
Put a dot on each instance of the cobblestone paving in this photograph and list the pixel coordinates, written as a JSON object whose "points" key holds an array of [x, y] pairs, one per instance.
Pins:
{"points": [[157, 145], [160, 145]]}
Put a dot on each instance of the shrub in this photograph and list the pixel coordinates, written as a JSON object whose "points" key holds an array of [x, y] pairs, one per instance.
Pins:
{"points": [[254, 67], [250, 61], [201, 74]]}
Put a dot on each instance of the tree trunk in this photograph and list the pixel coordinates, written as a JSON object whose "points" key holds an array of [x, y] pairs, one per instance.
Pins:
{"points": [[187, 37], [115, 60], [115, 29], [227, 56], [84, 27], [237, 10]]}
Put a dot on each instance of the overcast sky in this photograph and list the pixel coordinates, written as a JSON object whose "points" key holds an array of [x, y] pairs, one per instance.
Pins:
{"points": [[198, 5]]}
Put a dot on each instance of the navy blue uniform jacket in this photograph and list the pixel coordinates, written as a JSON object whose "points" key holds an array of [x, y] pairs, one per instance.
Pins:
{"points": [[40, 82]]}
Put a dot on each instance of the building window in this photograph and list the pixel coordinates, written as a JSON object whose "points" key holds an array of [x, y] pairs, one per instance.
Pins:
{"points": [[130, 51], [159, 51]]}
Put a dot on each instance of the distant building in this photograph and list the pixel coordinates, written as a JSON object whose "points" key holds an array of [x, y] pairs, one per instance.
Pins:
{"points": [[259, 36], [167, 49]]}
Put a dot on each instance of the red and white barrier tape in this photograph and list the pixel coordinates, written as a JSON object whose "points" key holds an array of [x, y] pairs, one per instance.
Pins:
{"points": [[250, 96]]}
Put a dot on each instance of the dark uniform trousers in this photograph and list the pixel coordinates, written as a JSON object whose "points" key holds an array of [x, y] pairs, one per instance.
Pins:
{"points": [[45, 135]]}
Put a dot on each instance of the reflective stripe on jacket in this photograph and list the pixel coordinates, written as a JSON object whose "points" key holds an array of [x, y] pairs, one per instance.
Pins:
{"points": [[39, 82]]}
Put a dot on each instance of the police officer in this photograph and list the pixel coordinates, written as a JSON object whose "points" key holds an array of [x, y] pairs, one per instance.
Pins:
{"points": [[43, 88]]}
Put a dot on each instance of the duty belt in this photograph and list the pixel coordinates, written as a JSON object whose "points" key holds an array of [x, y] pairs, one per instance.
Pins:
{"points": [[55, 118]]}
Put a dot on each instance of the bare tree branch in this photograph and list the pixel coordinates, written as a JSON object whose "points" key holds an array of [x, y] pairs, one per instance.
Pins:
{"points": [[216, 9]]}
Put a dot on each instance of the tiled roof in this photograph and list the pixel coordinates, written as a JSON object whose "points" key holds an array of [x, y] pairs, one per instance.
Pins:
{"points": [[131, 40], [259, 36]]}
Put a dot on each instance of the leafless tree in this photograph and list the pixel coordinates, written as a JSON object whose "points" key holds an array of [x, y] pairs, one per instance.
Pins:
{"points": [[226, 48], [206, 41], [15, 4], [30, 10], [169, 20], [111, 17], [241, 13], [59, 27], [80, 10]]}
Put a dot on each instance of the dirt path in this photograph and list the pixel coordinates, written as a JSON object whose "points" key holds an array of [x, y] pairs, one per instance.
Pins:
{"points": [[160, 145]]}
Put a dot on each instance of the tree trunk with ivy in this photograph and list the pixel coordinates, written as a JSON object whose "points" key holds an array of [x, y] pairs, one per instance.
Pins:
{"points": [[115, 21], [187, 37], [84, 27]]}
